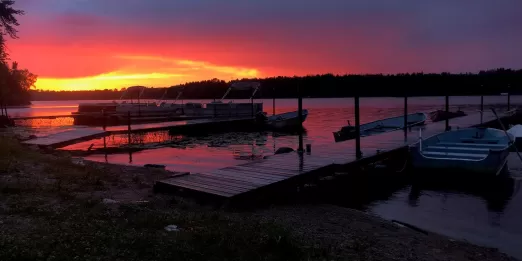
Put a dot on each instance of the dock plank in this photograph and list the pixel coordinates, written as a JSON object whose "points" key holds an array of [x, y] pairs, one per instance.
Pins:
{"points": [[236, 180]]}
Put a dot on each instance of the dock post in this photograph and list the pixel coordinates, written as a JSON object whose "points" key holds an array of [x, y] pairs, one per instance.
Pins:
{"points": [[300, 115], [405, 117], [273, 101], [358, 153], [447, 111], [252, 106], [481, 108], [139, 106], [129, 127], [104, 120], [509, 99]]}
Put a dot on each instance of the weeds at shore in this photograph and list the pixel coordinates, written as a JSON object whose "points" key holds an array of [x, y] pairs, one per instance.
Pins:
{"points": [[43, 217], [54, 209]]}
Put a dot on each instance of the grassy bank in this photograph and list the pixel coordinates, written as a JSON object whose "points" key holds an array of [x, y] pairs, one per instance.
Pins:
{"points": [[54, 209]]}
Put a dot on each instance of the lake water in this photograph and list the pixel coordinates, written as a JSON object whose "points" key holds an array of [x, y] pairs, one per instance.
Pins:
{"points": [[486, 214]]}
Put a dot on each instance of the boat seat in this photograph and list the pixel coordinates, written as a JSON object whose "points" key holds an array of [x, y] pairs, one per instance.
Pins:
{"points": [[485, 145], [454, 154], [458, 148], [488, 141]]}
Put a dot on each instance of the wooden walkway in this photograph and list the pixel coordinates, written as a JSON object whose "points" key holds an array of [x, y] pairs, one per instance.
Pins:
{"points": [[65, 138], [69, 137], [175, 124], [236, 180]]}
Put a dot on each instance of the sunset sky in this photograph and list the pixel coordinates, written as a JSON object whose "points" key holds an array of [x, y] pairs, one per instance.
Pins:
{"points": [[98, 44]]}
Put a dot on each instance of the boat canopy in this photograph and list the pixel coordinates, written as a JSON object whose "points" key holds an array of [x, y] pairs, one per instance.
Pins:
{"points": [[243, 86], [141, 89]]}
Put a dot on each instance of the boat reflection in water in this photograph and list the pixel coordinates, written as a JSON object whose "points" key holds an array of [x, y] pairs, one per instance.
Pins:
{"points": [[496, 192]]}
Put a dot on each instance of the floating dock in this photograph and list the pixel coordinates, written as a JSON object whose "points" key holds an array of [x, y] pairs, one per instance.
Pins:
{"points": [[234, 181], [69, 137]]}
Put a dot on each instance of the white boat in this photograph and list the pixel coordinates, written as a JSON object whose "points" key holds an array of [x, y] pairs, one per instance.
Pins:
{"points": [[477, 150], [286, 120], [122, 106], [380, 126]]}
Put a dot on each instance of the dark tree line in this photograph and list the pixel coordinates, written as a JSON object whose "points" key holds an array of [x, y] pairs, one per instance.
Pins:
{"points": [[491, 82], [15, 82]]}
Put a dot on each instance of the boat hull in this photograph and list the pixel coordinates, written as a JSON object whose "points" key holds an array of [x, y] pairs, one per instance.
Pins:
{"points": [[381, 126], [287, 120], [476, 150], [440, 115], [491, 165]]}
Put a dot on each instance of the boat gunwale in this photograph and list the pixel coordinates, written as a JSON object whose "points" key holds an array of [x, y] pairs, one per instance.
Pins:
{"points": [[418, 147], [339, 132]]}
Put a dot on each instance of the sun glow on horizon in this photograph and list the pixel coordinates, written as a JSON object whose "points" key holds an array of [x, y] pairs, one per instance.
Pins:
{"points": [[154, 71]]}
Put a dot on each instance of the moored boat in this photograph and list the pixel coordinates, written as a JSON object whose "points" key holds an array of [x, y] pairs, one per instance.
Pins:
{"points": [[380, 126], [477, 150], [440, 115], [286, 120], [516, 131]]}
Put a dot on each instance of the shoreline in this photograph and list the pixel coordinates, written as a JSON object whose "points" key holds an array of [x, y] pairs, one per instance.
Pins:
{"points": [[53, 206]]}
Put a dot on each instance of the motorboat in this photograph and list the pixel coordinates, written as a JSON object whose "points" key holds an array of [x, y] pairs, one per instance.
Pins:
{"points": [[288, 120], [380, 126], [440, 115], [477, 150]]}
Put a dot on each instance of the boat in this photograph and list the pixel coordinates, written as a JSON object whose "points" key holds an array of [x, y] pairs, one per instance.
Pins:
{"points": [[220, 108], [122, 107], [516, 131], [477, 150], [380, 126], [440, 115], [288, 120]]}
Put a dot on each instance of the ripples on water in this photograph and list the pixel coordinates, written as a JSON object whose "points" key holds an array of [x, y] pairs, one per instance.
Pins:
{"points": [[482, 212]]}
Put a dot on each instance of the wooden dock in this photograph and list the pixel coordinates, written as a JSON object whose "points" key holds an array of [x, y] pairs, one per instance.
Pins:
{"points": [[65, 138], [245, 178], [177, 125], [69, 137]]}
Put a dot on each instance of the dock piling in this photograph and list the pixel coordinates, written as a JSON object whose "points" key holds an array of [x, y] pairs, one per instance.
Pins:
{"points": [[252, 106], [447, 111], [358, 153], [405, 117], [481, 108], [273, 101], [300, 115], [104, 120], [129, 127], [509, 98]]}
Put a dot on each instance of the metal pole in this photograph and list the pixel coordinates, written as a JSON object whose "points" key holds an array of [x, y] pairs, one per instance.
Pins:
{"points": [[447, 110], [300, 115], [405, 117], [358, 153]]}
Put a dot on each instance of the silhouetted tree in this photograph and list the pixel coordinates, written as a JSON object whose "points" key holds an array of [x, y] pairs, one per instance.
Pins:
{"points": [[15, 83]]}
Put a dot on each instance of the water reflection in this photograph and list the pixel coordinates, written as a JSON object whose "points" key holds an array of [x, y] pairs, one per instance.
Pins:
{"points": [[496, 192]]}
